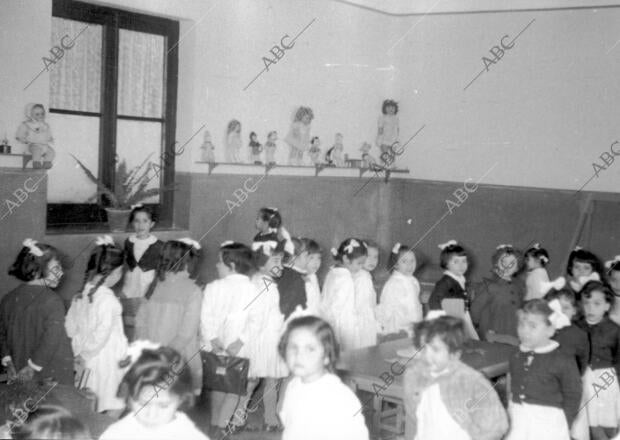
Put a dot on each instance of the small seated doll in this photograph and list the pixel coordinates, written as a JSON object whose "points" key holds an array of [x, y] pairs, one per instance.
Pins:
{"points": [[368, 160], [270, 148], [233, 142], [208, 150], [334, 155], [257, 149], [315, 150], [37, 135]]}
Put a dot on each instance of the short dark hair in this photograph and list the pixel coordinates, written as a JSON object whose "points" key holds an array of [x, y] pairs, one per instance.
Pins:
{"points": [[142, 208], [454, 250], [161, 367], [394, 257], [271, 216], [177, 256], [28, 267], [51, 421], [355, 251], [592, 286], [387, 103], [564, 293], [240, 255], [324, 333], [450, 330], [584, 256], [537, 307], [539, 254], [260, 258]]}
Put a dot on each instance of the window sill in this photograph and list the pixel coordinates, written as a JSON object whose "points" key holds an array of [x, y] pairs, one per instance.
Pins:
{"points": [[99, 228]]}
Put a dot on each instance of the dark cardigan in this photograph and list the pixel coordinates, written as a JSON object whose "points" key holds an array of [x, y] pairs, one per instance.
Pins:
{"points": [[148, 261], [447, 288], [604, 340], [292, 287], [574, 342]]}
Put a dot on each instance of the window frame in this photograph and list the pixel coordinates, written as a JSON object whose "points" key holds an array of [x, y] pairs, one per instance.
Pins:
{"points": [[112, 20]]}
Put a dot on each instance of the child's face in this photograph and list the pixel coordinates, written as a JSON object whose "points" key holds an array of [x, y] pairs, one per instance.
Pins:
{"points": [[314, 262], [457, 265], [567, 307], [534, 331], [581, 269], [406, 263], [437, 354], [372, 259], [614, 281], [261, 225], [142, 224], [273, 137], [595, 307], [301, 261], [306, 119], [531, 262], [354, 265], [506, 266], [155, 406], [38, 114], [305, 355], [390, 109], [222, 269], [253, 138], [54, 273]]}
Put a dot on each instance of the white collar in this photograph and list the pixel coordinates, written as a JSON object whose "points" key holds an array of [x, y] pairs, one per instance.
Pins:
{"points": [[457, 278], [149, 240], [552, 345]]}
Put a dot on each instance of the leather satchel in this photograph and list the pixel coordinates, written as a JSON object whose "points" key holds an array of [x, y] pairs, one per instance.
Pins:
{"points": [[228, 374]]}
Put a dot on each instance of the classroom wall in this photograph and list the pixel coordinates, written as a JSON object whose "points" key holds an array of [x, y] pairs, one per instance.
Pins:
{"points": [[543, 113]]}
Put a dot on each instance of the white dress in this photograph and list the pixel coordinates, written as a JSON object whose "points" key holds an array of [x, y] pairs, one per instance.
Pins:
{"points": [[96, 332], [399, 306], [389, 123], [434, 419], [313, 295], [339, 306], [325, 409], [228, 312], [365, 304], [181, 427], [263, 348], [533, 283]]}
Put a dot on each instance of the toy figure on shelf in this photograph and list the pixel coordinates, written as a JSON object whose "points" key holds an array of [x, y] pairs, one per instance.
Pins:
{"points": [[298, 137], [5, 148], [37, 135], [270, 148], [207, 149], [257, 149], [388, 130], [368, 161], [334, 157], [315, 151], [233, 142]]}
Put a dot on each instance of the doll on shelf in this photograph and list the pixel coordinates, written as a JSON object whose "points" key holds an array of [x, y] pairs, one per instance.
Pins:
{"points": [[233, 142], [315, 151], [388, 130], [207, 149], [334, 156], [270, 148], [257, 149], [37, 135], [298, 137], [368, 160]]}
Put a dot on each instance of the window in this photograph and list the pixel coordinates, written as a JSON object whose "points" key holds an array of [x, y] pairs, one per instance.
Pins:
{"points": [[112, 98]]}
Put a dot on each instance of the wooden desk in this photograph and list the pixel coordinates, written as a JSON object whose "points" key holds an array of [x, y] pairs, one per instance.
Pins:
{"points": [[362, 368]]}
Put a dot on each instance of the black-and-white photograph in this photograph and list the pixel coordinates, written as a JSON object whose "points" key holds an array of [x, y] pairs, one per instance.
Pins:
{"points": [[310, 219]]}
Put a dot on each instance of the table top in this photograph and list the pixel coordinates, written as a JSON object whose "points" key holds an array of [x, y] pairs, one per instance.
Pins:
{"points": [[491, 359]]}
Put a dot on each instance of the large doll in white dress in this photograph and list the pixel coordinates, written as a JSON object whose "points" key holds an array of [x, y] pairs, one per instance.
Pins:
{"points": [[37, 135], [298, 137], [95, 326]]}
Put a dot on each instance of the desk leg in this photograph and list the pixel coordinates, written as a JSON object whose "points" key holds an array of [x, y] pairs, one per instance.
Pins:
{"points": [[376, 416]]}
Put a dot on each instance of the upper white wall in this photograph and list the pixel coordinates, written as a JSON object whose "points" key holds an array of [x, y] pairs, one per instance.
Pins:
{"points": [[541, 115]]}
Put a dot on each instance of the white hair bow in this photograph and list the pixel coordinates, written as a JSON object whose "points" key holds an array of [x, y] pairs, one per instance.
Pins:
{"points": [[137, 205], [504, 246], [434, 314], [334, 252], [396, 248], [557, 284], [135, 349], [577, 248], [447, 244], [610, 263], [104, 240], [32, 247], [266, 247], [273, 209], [544, 259], [227, 243], [349, 248], [190, 242], [536, 246], [558, 319]]}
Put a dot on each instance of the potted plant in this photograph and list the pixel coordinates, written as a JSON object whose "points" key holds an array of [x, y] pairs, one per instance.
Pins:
{"points": [[129, 189]]}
